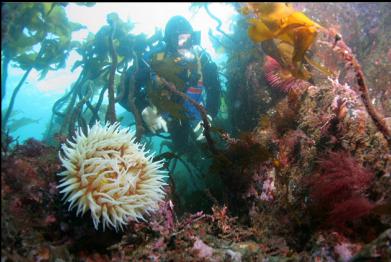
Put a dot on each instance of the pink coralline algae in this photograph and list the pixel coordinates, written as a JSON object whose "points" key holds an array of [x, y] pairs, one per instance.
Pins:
{"points": [[263, 184], [268, 187], [203, 249]]}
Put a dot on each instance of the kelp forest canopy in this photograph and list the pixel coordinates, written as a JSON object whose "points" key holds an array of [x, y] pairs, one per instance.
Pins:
{"points": [[34, 36]]}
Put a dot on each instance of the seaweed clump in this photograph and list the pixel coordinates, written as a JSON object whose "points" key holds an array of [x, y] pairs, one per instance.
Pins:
{"points": [[289, 34], [339, 189], [235, 167]]}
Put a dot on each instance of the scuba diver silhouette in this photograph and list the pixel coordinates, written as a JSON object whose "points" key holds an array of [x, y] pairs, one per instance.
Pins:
{"points": [[178, 59]]}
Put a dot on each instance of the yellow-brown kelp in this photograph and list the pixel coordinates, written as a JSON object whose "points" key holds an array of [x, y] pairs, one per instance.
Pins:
{"points": [[285, 34]]}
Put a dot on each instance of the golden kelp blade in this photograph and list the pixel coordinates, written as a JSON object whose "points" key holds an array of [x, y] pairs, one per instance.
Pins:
{"points": [[271, 10], [299, 19], [279, 50], [280, 21], [273, 19], [259, 31], [304, 38], [302, 32], [268, 19]]}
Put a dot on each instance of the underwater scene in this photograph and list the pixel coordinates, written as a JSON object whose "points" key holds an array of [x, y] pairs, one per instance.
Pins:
{"points": [[195, 131]]}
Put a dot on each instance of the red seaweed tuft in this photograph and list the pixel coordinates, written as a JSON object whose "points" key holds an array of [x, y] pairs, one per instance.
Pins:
{"points": [[339, 188], [350, 209]]}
